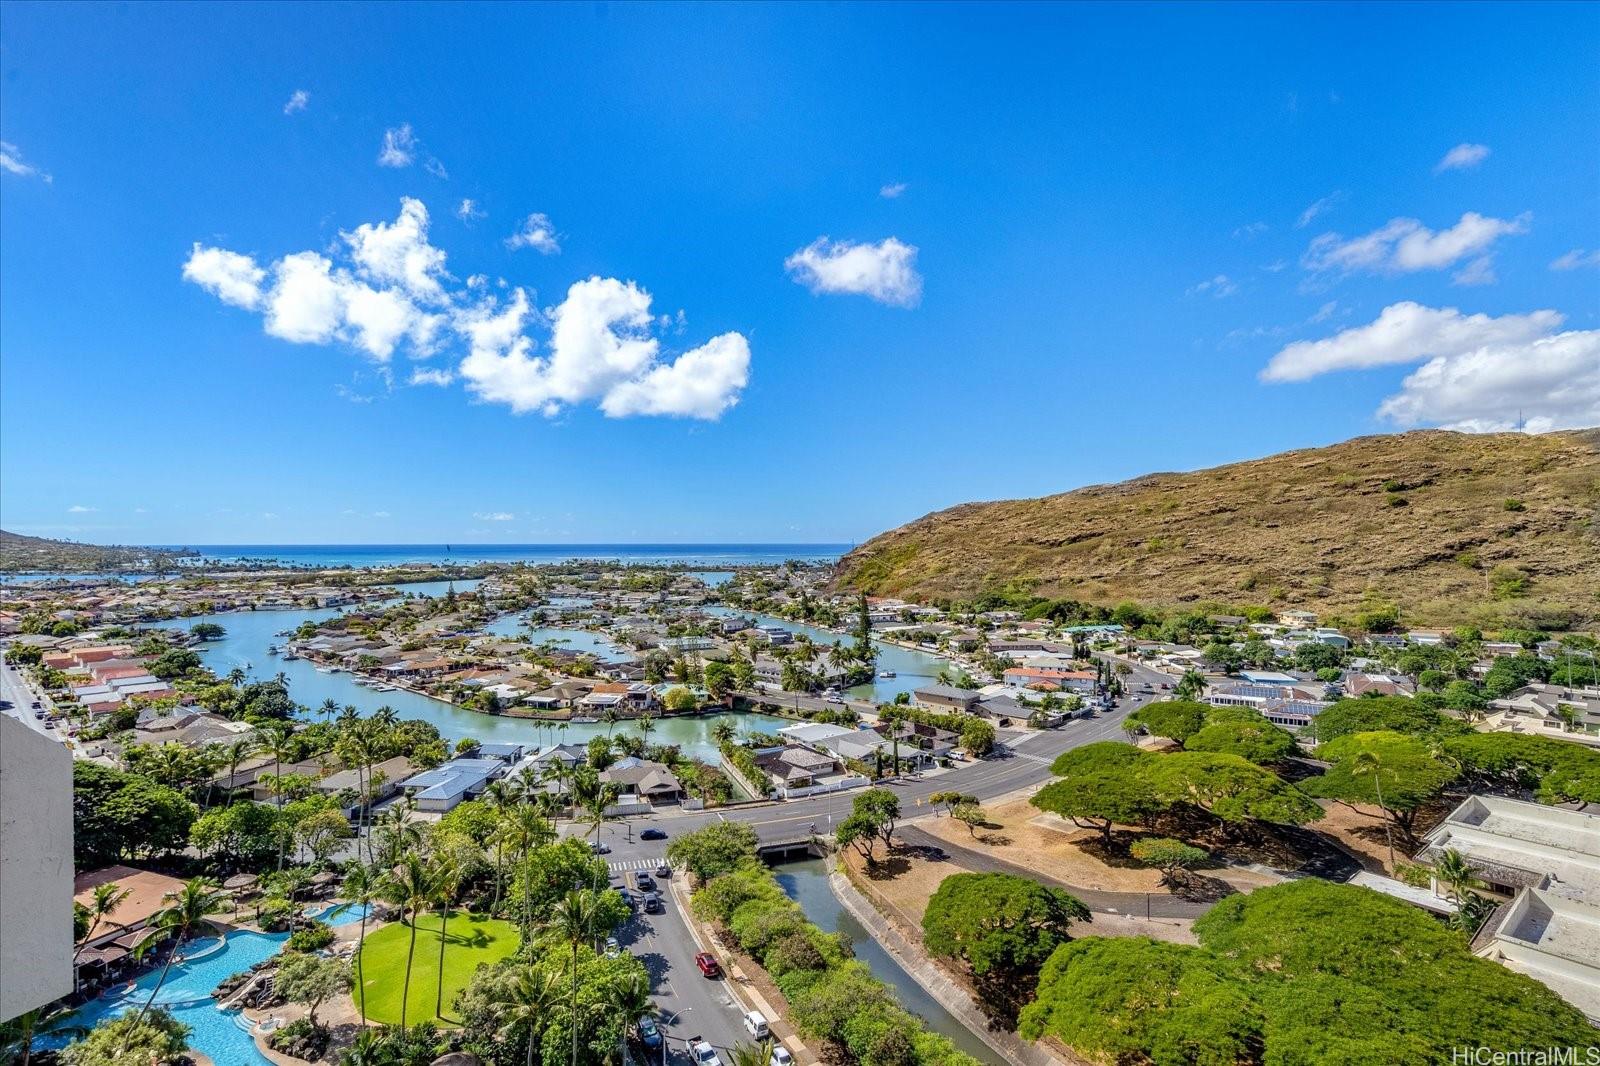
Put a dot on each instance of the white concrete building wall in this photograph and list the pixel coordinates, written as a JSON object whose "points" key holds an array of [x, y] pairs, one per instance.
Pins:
{"points": [[35, 869]]}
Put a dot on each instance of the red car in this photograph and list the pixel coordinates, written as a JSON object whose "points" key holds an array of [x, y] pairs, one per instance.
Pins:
{"points": [[707, 964]]}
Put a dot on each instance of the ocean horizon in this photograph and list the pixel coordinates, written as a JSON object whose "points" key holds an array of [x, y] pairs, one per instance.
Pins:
{"points": [[708, 555]]}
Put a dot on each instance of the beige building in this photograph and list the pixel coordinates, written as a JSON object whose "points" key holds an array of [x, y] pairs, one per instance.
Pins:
{"points": [[35, 869]]}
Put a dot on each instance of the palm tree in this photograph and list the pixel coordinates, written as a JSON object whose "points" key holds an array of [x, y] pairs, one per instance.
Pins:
{"points": [[361, 887], [527, 1006], [385, 716], [1190, 685], [500, 795], [1369, 762], [527, 830], [610, 717], [1453, 870], [447, 876], [723, 732], [574, 920], [197, 900], [414, 886], [328, 709], [629, 998], [751, 1054], [645, 724], [236, 677], [18, 1034], [107, 898]]}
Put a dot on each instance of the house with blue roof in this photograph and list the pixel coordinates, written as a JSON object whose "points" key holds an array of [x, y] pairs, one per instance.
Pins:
{"points": [[448, 784]]}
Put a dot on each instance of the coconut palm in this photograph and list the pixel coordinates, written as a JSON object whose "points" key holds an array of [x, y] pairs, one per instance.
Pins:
{"points": [[644, 725], [1453, 870], [574, 921], [501, 796], [328, 708], [629, 998], [18, 1034], [527, 1005], [723, 732], [526, 831], [447, 882], [610, 717], [236, 677], [361, 886], [191, 905], [413, 886], [1190, 686], [107, 898], [751, 1054]]}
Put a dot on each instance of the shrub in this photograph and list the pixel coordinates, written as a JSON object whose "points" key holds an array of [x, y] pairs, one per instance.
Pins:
{"points": [[300, 1040], [310, 938]]}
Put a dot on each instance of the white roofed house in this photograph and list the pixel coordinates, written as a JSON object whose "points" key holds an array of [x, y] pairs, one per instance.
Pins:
{"points": [[1549, 710], [445, 786], [1547, 859]]}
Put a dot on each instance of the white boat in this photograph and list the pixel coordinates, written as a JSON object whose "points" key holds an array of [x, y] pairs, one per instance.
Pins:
{"points": [[324, 669], [583, 721], [381, 686], [886, 674]]}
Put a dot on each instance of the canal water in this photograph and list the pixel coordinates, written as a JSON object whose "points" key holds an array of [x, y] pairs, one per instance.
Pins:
{"points": [[912, 669], [251, 633], [806, 883]]}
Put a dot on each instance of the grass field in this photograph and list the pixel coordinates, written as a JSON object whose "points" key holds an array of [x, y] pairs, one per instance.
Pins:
{"points": [[472, 939]]}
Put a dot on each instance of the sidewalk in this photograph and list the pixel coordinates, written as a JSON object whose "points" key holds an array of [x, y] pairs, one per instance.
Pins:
{"points": [[738, 982]]}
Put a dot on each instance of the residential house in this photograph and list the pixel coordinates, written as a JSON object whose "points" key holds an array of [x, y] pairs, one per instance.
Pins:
{"points": [[1046, 679], [1538, 709], [382, 780], [119, 935], [1548, 860], [1359, 684], [444, 787], [947, 697], [643, 781]]}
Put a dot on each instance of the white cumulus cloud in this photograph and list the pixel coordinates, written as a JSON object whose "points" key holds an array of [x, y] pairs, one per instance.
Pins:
{"points": [[885, 271], [494, 516], [1462, 157], [298, 101], [893, 190], [398, 252], [399, 147], [232, 278], [385, 287], [11, 162], [1479, 373], [1405, 245], [469, 211], [1406, 333], [600, 350], [536, 232]]}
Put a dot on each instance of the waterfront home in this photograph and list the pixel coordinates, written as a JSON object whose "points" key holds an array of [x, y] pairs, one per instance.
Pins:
{"points": [[444, 787], [947, 697], [643, 781], [684, 645], [774, 634], [630, 697], [382, 781], [565, 754], [559, 695], [1548, 860], [814, 733], [1019, 677]]}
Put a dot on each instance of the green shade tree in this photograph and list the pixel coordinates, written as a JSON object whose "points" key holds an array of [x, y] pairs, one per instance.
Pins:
{"points": [[1393, 772], [1003, 928], [1176, 720], [1171, 857]]}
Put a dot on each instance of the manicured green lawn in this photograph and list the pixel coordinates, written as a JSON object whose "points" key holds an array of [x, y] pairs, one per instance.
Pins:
{"points": [[472, 939]]}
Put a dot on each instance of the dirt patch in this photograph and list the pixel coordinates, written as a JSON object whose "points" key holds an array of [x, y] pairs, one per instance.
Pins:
{"points": [[1060, 851]]}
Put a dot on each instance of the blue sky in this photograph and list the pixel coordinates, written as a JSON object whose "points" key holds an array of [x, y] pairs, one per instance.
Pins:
{"points": [[787, 273]]}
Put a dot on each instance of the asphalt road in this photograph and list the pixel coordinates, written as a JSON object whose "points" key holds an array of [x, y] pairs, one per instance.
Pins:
{"points": [[691, 1006], [15, 691]]}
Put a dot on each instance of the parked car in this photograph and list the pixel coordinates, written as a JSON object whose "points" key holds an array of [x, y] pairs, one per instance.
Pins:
{"points": [[780, 1056], [755, 1023], [833, 697], [708, 965], [649, 1032], [613, 948], [599, 847], [652, 903], [663, 870], [704, 1054], [653, 834]]}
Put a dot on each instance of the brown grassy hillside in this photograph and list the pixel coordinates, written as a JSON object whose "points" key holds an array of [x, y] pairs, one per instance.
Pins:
{"points": [[1454, 527]]}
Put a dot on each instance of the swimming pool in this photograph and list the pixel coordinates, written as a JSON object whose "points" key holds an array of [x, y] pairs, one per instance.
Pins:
{"points": [[337, 914], [187, 993]]}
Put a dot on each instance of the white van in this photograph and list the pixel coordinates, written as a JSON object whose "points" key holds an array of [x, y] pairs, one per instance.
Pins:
{"points": [[756, 1025]]}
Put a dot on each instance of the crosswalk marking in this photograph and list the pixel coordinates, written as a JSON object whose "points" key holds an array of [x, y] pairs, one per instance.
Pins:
{"points": [[623, 865], [1031, 757]]}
